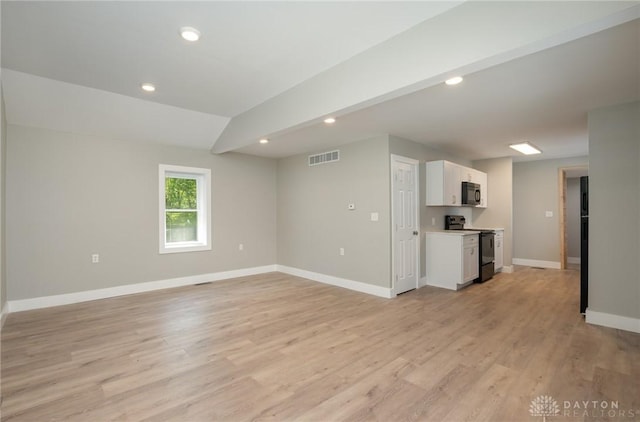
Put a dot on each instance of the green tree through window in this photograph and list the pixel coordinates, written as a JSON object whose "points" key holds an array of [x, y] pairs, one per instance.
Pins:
{"points": [[181, 209], [185, 209]]}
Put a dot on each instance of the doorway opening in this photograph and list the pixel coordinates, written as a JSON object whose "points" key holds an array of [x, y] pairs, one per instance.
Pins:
{"points": [[569, 188]]}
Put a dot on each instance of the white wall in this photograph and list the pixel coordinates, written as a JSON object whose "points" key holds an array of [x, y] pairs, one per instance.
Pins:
{"points": [[69, 196], [614, 184], [499, 211], [314, 222], [536, 191], [3, 179]]}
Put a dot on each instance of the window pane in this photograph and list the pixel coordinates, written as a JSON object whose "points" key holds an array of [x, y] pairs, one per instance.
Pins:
{"points": [[181, 226], [180, 194]]}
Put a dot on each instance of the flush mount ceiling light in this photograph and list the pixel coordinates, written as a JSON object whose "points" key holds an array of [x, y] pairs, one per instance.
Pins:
{"points": [[330, 120], [189, 33], [148, 87], [454, 81], [525, 148], [264, 141]]}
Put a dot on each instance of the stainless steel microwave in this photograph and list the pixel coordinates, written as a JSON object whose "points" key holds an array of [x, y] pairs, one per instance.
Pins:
{"points": [[470, 193]]}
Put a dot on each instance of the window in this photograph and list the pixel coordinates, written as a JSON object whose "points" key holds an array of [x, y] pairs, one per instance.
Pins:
{"points": [[185, 214]]}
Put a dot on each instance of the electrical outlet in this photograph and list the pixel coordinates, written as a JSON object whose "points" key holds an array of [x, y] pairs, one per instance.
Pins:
{"points": [[433, 221], [241, 247], [375, 216], [341, 251], [95, 258], [548, 214]]}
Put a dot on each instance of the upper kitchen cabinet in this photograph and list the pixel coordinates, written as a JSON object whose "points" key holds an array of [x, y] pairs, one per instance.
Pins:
{"points": [[444, 183], [481, 179]]}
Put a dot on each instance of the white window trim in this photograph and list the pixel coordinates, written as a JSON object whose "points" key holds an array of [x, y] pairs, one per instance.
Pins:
{"points": [[204, 203]]}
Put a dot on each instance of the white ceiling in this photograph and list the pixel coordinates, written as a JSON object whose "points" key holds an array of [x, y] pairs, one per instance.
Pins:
{"points": [[543, 98], [249, 51], [263, 69]]}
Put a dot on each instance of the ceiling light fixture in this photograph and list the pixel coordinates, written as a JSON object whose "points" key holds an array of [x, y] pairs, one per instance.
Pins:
{"points": [[189, 33], [526, 148], [330, 120], [264, 141], [454, 81], [148, 87]]}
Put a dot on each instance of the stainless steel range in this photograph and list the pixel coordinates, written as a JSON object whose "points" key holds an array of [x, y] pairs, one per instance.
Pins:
{"points": [[487, 246]]}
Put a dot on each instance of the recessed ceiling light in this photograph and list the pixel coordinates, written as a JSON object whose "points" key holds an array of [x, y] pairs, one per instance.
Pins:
{"points": [[525, 148], [264, 141], [330, 120], [454, 81], [189, 33], [148, 87]]}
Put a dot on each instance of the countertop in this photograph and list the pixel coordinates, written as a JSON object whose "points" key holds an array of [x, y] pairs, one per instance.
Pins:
{"points": [[464, 232], [454, 232], [487, 228]]}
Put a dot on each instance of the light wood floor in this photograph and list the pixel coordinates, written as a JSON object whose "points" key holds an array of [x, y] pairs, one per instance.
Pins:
{"points": [[280, 348]]}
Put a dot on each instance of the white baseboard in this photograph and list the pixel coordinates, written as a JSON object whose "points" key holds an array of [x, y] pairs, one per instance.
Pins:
{"points": [[5, 312], [613, 321], [336, 281], [422, 282], [506, 269], [77, 297], [536, 263], [69, 298], [573, 260]]}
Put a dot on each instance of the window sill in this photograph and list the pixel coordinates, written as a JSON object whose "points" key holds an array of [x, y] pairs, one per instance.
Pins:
{"points": [[184, 247]]}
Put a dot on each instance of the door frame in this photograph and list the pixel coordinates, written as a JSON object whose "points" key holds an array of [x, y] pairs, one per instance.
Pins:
{"points": [[562, 190], [416, 164]]}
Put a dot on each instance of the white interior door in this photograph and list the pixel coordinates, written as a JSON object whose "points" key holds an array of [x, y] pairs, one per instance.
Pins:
{"points": [[405, 230]]}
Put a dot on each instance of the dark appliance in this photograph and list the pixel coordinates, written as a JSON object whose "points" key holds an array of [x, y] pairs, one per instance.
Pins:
{"points": [[486, 253], [470, 193], [584, 243]]}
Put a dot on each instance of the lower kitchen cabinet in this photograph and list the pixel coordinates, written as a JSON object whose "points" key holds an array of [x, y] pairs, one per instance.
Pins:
{"points": [[452, 260]]}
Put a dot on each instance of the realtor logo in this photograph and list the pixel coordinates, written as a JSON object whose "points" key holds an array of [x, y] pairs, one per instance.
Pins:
{"points": [[544, 406]]}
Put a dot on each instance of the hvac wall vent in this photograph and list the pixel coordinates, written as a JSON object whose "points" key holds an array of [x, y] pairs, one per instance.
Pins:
{"points": [[323, 158]]}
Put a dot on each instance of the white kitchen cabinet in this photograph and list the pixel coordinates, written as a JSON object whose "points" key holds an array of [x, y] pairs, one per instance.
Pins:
{"points": [[481, 179], [444, 186], [452, 260], [499, 250], [444, 183], [468, 175], [471, 261]]}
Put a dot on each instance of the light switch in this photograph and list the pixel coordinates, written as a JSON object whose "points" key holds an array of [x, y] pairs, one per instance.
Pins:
{"points": [[374, 216], [548, 213]]}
